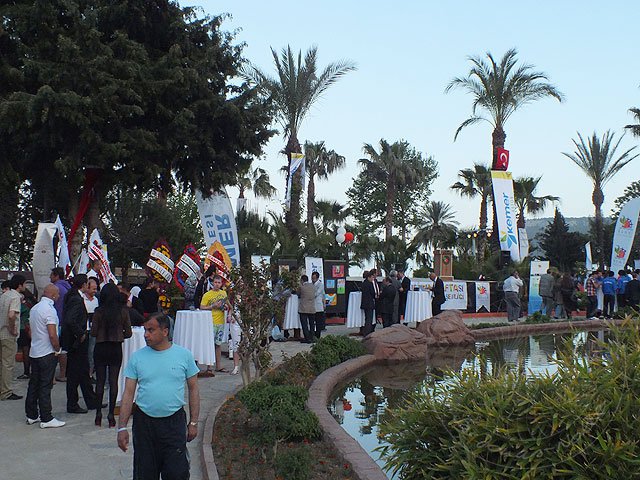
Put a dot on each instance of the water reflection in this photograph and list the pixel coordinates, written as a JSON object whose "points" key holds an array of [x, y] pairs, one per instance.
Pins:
{"points": [[360, 405]]}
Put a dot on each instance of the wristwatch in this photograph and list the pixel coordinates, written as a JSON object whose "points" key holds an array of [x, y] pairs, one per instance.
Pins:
{"points": [[194, 424]]}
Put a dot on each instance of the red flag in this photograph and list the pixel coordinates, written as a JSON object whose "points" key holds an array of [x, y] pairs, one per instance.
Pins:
{"points": [[502, 159]]}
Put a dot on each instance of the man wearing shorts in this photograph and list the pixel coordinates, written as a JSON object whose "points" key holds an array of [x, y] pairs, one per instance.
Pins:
{"points": [[216, 301]]}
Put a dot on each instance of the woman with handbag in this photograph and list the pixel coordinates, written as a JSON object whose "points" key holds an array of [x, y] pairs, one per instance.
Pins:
{"points": [[110, 326]]}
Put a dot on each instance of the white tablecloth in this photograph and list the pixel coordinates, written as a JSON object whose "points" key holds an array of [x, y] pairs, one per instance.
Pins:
{"points": [[355, 315], [193, 330], [418, 306], [291, 317], [130, 345]]}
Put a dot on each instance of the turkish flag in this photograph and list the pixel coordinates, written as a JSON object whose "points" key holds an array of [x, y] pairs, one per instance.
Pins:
{"points": [[502, 160]]}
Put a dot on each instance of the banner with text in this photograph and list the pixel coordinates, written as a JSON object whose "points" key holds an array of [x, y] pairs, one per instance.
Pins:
{"points": [[624, 234], [524, 242], [314, 264], [537, 268], [456, 296], [219, 223], [588, 259], [483, 298], [506, 212], [44, 256]]}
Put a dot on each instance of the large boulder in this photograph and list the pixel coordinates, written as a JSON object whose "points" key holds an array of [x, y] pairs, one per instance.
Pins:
{"points": [[446, 329], [396, 343]]}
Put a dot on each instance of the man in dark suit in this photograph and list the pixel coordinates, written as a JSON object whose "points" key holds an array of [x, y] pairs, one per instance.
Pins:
{"points": [[405, 286], [387, 297], [76, 342], [632, 291], [368, 302], [437, 290]]}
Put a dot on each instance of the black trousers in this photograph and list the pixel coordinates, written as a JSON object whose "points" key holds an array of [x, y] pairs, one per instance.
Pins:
{"points": [[436, 307], [369, 325], [622, 300], [308, 324], [387, 319], [609, 305], [320, 320], [592, 306], [160, 446], [78, 376], [38, 401]]}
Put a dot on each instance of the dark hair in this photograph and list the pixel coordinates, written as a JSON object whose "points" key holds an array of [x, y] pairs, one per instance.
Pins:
{"points": [[58, 272], [210, 271], [622, 272], [611, 274], [111, 304], [16, 281], [6, 284], [304, 278], [95, 280], [163, 320], [79, 280], [217, 277], [148, 281], [316, 274]]}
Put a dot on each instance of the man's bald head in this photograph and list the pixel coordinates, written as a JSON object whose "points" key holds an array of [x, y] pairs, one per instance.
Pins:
{"points": [[51, 291]]}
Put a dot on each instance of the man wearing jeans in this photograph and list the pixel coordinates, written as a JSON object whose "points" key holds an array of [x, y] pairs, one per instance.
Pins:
{"points": [[512, 286], [45, 347], [160, 428]]}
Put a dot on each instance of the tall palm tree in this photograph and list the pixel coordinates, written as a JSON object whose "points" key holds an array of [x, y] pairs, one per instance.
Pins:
{"points": [[396, 166], [498, 90], [320, 163], [476, 182], [296, 87], [436, 225], [330, 215], [256, 180], [524, 190], [597, 159]]}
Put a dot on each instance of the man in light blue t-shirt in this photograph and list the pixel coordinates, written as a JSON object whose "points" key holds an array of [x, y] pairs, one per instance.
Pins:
{"points": [[160, 429]]}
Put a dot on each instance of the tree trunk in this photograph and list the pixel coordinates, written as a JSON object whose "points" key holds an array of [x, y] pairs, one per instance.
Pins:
{"points": [[76, 241], [388, 221], [311, 201], [292, 215], [598, 199], [521, 220], [482, 235]]}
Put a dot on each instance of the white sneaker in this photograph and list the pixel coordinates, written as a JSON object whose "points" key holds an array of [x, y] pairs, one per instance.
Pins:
{"points": [[31, 421], [53, 423], [235, 371]]}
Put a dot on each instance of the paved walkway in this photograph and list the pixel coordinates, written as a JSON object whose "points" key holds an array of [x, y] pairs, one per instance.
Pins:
{"points": [[80, 450]]}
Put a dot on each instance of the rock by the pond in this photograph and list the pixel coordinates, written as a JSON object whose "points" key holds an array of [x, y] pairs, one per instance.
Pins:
{"points": [[396, 343], [445, 329]]}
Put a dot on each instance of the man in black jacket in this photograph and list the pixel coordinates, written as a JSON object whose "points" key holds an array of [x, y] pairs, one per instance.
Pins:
{"points": [[438, 294], [368, 303], [405, 286], [76, 343], [387, 296], [632, 291]]}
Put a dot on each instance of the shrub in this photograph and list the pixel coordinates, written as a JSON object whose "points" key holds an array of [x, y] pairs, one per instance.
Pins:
{"points": [[296, 370], [294, 464], [331, 350], [580, 422], [279, 413], [538, 317]]}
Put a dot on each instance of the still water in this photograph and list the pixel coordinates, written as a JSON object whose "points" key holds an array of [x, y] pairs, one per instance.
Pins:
{"points": [[359, 405]]}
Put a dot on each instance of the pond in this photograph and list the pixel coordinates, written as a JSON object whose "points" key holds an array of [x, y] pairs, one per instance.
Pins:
{"points": [[359, 405]]}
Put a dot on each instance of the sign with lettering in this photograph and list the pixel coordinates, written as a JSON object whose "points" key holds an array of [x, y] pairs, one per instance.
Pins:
{"points": [[456, 296], [506, 213], [219, 223]]}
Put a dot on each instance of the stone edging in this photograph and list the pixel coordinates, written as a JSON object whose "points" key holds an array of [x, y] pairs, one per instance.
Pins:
{"points": [[209, 469], [364, 467], [522, 330]]}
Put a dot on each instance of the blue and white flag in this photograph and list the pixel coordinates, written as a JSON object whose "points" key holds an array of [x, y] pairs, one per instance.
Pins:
{"points": [[297, 161]]}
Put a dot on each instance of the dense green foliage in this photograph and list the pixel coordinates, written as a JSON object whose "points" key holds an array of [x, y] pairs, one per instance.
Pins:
{"points": [[331, 350], [562, 247], [294, 464], [580, 422]]}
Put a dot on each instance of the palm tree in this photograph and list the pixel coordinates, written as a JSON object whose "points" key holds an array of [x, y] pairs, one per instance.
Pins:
{"points": [[319, 163], [596, 158], [436, 225], [476, 182], [297, 86], [524, 190], [395, 165], [330, 215], [635, 129], [499, 90], [256, 180]]}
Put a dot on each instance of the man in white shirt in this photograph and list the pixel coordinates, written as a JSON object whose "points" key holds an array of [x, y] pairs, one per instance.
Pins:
{"points": [[90, 303], [319, 303], [45, 347], [511, 289], [10, 302]]}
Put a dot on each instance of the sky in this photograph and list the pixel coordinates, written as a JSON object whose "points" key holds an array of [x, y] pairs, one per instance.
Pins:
{"points": [[408, 51]]}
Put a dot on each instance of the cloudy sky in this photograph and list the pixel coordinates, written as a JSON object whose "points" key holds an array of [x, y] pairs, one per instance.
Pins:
{"points": [[407, 52]]}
